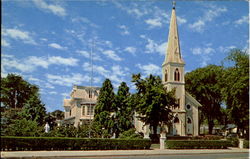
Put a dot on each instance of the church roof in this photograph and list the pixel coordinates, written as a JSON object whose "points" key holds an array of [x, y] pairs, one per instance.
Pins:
{"points": [[192, 99], [173, 53]]}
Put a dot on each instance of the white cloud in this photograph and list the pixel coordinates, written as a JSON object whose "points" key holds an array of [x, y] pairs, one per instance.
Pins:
{"points": [[98, 69], [205, 59], [117, 70], [197, 26], [130, 49], [116, 74], [156, 22], [133, 10], [30, 63], [43, 39], [204, 50], [48, 85], [150, 69], [112, 55], [208, 50], [226, 49], [84, 20], [57, 46], [55, 9], [124, 30], [242, 20], [208, 16], [16, 34], [204, 53], [52, 92], [87, 55], [153, 47], [181, 21], [155, 16], [196, 51], [67, 80], [5, 43], [162, 48], [58, 60]]}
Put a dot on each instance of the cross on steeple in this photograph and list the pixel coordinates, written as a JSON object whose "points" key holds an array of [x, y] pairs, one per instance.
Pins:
{"points": [[174, 3]]}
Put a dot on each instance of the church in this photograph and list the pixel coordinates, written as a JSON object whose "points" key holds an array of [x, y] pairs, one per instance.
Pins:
{"points": [[186, 115], [79, 109]]}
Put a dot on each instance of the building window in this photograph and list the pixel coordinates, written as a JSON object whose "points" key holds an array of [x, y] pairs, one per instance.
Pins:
{"points": [[90, 110], [70, 113], [188, 107], [176, 75], [83, 110], [189, 121], [90, 94], [176, 120], [166, 76], [178, 103]]}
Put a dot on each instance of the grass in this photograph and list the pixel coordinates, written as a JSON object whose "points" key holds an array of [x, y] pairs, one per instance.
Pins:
{"points": [[155, 146]]}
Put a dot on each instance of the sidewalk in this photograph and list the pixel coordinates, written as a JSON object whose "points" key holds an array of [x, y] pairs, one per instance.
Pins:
{"points": [[106, 153]]}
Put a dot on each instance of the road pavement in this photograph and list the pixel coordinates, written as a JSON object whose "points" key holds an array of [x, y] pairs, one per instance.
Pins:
{"points": [[138, 154]]}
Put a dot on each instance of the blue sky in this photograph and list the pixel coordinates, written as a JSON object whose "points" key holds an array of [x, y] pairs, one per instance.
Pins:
{"points": [[48, 42]]}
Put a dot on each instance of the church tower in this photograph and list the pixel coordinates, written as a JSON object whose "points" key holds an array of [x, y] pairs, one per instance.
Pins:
{"points": [[173, 75]]}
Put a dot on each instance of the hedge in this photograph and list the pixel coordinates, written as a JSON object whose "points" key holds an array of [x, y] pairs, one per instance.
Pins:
{"points": [[197, 144], [246, 144], [60, 143]]}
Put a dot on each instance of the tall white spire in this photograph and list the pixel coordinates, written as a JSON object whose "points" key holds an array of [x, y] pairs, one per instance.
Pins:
{"points": [[173, 53]]}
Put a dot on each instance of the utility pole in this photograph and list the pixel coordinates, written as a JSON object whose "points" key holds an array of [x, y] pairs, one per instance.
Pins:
{"points": [[91, 84]]}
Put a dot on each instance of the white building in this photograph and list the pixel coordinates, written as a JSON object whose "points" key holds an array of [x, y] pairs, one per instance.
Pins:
{"points": [[186, 120], [79, 109]]}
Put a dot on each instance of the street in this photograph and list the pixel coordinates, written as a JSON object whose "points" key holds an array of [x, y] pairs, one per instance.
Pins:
{"points": [[172, 156]]}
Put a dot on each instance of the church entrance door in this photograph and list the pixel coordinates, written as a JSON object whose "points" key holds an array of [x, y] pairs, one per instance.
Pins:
{"points": [[176, 126], [189, 126]]}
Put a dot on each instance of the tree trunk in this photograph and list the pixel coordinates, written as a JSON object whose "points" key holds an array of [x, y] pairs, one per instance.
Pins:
{"points": [[155, 129], [210, 126]]}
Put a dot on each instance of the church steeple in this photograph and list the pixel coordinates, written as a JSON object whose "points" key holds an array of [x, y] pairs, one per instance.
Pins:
{"points": [[173, 53]]}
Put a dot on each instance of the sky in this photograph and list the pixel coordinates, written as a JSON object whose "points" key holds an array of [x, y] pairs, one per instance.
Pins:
{"points": [[49, 43]]}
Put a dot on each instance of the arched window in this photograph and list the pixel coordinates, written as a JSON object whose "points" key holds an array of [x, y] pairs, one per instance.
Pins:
{"points": [[176, 120], [90, 94], [166, 75], [189, 121], [176, 75]]}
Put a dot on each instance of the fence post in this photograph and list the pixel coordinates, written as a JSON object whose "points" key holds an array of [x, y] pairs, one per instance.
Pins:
{"points": [[162, 141]]}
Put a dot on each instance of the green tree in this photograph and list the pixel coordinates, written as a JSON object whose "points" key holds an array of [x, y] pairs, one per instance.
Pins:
{"points": [[204, 84], [236, 88], [34, 110], [24, 127], [51, 120], [124, 111], [58, 114], [15, 91], [105, 107], [152, 101], [20, 100]]}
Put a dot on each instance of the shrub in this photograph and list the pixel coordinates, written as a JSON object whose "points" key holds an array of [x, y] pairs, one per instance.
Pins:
{"points": [[246, 144], [234, 142], [197, 144], [207, 137], [23, 127], [130, 134], [59, 143]]}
